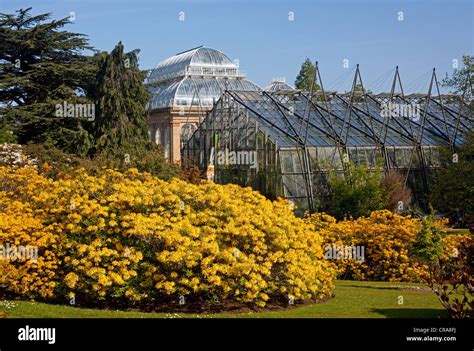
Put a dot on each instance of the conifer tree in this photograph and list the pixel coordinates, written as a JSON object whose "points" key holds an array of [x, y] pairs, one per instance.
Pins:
{"points": [[305, 77], [42, 66], [121, 99]]}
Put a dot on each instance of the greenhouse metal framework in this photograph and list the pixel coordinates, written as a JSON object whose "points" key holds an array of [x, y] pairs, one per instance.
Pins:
{"points": [[299, 137], [183, 89]]}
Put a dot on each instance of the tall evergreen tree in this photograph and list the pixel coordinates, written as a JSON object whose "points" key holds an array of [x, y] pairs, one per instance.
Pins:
{"points": [[121, 99], [305, 77], [120, 127], [42, 66]]}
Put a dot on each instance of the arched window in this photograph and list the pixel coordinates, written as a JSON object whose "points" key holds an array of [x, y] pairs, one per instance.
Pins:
{"points": [[150, 132], [187, 131], [166, 141], [157, 136]]}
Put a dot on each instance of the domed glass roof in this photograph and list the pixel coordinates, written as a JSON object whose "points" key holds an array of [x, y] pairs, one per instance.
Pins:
{"points": [[198, 61], [279, 85], [195, 77], [195, 92]]}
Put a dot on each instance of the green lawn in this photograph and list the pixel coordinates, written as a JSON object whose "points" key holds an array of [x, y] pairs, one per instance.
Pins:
{"points": [[458, 231], [353, 300]]}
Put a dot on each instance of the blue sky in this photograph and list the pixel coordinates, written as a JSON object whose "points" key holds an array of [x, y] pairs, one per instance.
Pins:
{"points": [[267, 44]]}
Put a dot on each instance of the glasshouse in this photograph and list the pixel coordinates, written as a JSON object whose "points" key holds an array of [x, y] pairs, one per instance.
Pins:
{"points": [[183, 89], [283, 142], [278, 84]]}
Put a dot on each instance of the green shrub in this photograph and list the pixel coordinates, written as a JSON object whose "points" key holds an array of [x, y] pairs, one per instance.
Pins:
{"points": [[144, 156], [52, 161], [454, 183], [7, 136], [357, 194]]}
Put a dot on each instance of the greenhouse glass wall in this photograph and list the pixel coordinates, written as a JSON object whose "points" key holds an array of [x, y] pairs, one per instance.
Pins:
{"points": [[285, 142]]}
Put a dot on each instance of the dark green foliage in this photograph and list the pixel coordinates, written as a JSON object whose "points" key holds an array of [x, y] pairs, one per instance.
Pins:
{"points": [[146, 157], [121, 136], [41, 66], [454, 183], [356, 195], [121, 98], [143, 155], [54, 161], [305, 77]]}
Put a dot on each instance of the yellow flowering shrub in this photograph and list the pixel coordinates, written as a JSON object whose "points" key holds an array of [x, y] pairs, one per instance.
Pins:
{"points": [[452, 243], [130, 237], [387, 240], [19, 227]]}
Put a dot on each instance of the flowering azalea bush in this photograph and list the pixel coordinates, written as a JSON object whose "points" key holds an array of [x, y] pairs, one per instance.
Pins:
{"points": [[454, 243], [387, 240], [132, 238]]}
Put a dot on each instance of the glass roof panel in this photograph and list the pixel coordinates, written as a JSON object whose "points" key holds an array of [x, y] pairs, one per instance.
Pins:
{"points": [[278, 85], [199, 61], [195, 91], [290, 121]]}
